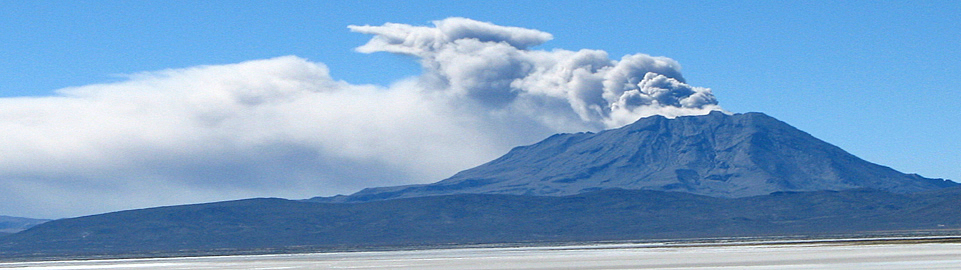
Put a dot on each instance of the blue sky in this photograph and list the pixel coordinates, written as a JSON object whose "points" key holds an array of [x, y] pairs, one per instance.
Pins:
{"points": [[880, 80]]}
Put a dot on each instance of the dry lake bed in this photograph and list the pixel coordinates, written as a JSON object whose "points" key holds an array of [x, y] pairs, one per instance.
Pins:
{"points": [[818, 255]]}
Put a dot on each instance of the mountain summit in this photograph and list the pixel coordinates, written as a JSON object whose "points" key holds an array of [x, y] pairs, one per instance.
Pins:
{"points": [[717, 155]]}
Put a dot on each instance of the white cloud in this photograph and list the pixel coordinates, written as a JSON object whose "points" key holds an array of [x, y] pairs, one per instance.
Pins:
{"points": [[420, 40], [283, 127]]}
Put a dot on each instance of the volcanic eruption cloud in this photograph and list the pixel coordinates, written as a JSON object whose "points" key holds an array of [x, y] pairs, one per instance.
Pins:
{"points": [[490, 66], [283, 127]]}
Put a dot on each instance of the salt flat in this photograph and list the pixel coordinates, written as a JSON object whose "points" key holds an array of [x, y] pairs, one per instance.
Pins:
{"points": [[754, 256]]}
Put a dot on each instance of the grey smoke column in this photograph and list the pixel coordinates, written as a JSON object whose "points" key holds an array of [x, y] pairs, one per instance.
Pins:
{"points": [[494, 67]]}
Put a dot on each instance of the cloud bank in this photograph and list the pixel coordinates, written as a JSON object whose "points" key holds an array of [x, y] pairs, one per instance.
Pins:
{"points": [[283, 127]]}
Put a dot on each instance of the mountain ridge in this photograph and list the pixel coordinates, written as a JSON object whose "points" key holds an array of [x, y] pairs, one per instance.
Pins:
{"points": [[267, 225], [9, 225], [716, 155]]}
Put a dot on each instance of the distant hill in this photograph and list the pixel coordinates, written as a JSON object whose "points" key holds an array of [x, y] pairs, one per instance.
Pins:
{"points": [[10, 225], [716, 155], [278, 224]]}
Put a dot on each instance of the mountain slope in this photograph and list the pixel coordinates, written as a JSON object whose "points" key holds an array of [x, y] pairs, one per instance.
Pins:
{"points": [[15, 224], [717, 155], [262, 225]]}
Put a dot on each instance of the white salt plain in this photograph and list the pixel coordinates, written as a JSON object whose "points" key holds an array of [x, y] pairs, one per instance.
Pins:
{"points": [[761, 256]]}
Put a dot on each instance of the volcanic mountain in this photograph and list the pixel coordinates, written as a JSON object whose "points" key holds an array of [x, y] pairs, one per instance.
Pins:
{"points": [[715, 175], [717, 155]]}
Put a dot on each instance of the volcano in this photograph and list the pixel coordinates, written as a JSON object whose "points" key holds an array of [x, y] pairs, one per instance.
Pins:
{"points": [[717, 155], [714, 175]]}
